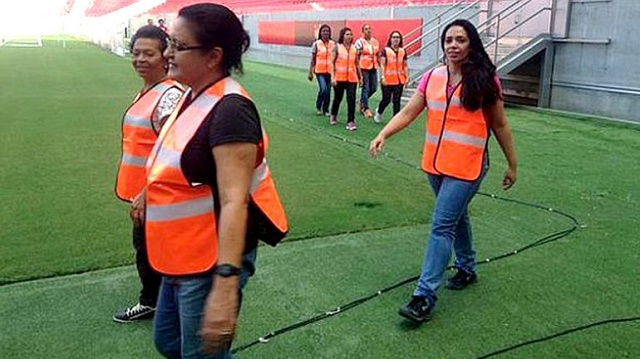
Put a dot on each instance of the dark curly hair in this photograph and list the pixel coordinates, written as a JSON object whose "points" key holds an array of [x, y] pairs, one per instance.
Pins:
{"points": [[479, 88], [342, 32], [215, 25], [150, 32]]}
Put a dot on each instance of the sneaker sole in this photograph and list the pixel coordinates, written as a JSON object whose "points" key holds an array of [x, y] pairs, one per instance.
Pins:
{"points": [[413, 318], [137, 318]]}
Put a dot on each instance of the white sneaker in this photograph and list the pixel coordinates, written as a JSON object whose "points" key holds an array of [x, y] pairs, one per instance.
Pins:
{"points": [[377, 118]]}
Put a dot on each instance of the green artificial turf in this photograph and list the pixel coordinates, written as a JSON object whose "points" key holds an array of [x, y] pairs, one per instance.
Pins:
{"points": [[357, 225]]}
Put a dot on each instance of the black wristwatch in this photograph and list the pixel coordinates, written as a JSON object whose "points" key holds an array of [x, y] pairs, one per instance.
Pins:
{"points": [[226, 270]]}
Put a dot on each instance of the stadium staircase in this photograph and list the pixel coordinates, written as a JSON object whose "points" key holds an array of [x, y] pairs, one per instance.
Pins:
{"points": [[517, 37]]}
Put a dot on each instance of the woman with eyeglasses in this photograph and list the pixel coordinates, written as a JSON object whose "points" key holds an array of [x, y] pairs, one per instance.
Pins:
{"points": [[464, 105], [320, 57], [210, 194], [394, 74], [140, 128], [345, 76]]}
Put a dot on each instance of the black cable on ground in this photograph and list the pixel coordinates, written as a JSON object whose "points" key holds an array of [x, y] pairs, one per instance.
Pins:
{"points": [[341, 309], [559, 334]]}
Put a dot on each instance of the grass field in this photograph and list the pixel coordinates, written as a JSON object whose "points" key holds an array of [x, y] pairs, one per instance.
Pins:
{"points": [[357, 225]]}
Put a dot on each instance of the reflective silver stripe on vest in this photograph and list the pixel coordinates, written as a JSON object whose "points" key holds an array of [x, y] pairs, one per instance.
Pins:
{"points": [[169, 157], [171, 212], [431, 138], [137, 121], [135, 161], [162, 87], [205, 101], [442, 105], [436, 105], [259, 174], [474, 141]]}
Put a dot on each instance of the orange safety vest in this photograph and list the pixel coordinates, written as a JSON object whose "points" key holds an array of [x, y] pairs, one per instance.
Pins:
{"points": [[138, 137], [394, 69], [369, 54], [323, 56], [346, 64], [181, 223], [456, 139]]}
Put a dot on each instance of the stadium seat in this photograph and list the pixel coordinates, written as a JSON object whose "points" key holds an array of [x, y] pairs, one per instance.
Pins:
{"points": [[102, 7]]}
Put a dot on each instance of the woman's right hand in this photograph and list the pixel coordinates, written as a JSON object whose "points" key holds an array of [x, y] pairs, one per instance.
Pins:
{"points": [[137, 209], [310, 76], [376, 146], [334, 83]]}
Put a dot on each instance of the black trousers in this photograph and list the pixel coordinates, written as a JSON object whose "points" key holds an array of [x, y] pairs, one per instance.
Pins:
{"points": [[338, 91], [389, 93], [149, 278]]}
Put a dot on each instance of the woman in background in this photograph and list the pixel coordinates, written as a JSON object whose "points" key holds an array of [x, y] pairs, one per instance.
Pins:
{"points": [[320, 66], [394, 74], [345, 77]]}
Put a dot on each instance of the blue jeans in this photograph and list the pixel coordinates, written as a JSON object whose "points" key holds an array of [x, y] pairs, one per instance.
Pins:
{"points": [[450, 227], [324, 92], [369, 87], [176, 324]]}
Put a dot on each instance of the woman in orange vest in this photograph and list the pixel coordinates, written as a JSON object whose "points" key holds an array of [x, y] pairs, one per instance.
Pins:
{"points": [[394, 74], [209, 193], [320, 66], [345, 76], [464, 104], [368, 49], [140, 127]]}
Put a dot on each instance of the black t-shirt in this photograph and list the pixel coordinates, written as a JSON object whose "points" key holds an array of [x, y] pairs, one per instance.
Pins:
{"points": [[233, 119]]}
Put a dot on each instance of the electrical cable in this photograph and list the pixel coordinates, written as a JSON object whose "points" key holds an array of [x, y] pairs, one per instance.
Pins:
{"points": [[559, 334]]}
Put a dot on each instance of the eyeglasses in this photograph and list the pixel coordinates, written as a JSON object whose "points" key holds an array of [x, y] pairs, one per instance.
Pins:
{"points": [[172, 44], [395, 37]]}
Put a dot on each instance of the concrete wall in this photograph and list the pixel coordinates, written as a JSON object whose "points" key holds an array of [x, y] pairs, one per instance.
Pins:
{"points": [[298, 56], [599, 78]]}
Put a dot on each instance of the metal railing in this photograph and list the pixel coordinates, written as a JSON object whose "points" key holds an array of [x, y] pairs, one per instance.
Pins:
{"points": [[437, 18], [491, 23], [439, 25]]}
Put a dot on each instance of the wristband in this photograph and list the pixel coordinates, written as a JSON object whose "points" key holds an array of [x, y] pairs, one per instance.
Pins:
{"points": [[226, 270]]}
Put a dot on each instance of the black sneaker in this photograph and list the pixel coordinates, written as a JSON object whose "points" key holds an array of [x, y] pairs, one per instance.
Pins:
{"points": [[461, 280], [132, 314], [418, 310]]}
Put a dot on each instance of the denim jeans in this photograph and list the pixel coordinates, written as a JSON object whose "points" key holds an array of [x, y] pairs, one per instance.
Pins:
{"points": [[369, 87], [179, 312], [450, 227], [324, 92]]}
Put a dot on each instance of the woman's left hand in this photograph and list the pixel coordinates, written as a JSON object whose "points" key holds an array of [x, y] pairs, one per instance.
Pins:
{"points": [[220, 315], [510, 176]]}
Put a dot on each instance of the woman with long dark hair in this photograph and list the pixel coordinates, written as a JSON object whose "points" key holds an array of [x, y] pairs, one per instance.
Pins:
{"points": [[464, 104], [320, 66]]}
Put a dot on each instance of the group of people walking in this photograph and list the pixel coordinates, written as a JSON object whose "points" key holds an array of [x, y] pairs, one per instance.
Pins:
{"points": [[348, 63], [194, 164]]}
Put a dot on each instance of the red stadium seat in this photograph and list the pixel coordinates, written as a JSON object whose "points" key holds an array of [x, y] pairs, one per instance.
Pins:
{"points": [[271, 6], [102, 7]]}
